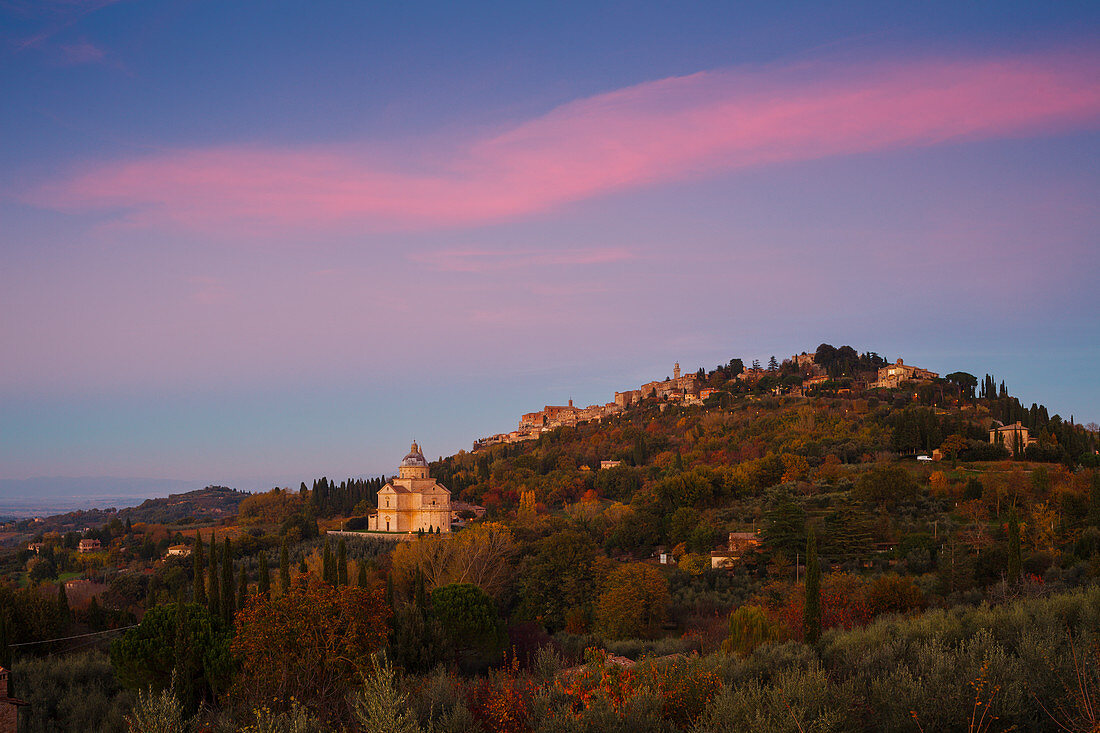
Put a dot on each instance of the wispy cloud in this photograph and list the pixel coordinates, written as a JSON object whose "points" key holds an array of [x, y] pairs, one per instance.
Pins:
{"points": [[500, 260], [671, 129], [83, 52]]}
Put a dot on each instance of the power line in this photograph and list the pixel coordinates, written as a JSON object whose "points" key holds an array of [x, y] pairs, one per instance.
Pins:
{"points": [[78, 636]]}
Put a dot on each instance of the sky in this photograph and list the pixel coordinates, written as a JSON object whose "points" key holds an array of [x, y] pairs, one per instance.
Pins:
{"points": [[256, 243]]}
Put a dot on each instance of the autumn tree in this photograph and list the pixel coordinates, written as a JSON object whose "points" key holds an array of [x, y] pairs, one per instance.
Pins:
{"points": [[885, 485], [311, 643], [481, 554], [632, 603]]}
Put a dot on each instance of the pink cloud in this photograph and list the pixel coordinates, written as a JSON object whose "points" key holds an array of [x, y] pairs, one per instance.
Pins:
{"points": [[82, 53], [498, 260], [671, 129]]}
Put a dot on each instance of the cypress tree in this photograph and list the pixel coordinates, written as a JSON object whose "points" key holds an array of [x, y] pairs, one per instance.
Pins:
{"points": [[63, 605], [811, 615], [265, 578], [284, 567], [198, 592], [362, 580], [342, 563], [242, 588], [212, 595], [229, 596], [302, 567], [5, 650], [1014, 563], [327, 570]]}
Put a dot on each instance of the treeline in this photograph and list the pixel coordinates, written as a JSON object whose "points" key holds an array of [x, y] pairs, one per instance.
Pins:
{"points": [[328, 499]]}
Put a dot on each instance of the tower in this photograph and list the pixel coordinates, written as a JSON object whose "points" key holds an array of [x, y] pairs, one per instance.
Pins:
{"points": [[676, 371]]}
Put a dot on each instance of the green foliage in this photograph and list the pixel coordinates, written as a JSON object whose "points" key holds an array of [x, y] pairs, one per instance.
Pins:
{"points": [[785, 531], [811, 614], [71, 692], [380, 706], [156, 712], [471, 622], [886, 485], [633, 603], [561, 577], [149, 655], [749, 627]]}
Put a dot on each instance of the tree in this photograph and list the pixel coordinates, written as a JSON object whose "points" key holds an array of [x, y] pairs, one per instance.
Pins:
{"points": [[362, 581], [228, 596], [328, 573], [148, 655], [309, 643], [953, 444], [342, 563], [633, 602], [242, 587], [811, 618], [749, 628], [563, 576], [481, 554], [264, 582], [212, 595], [63, 605], [886, 485], [773, 365], [471, 623], [380, 706], [284, 567], [785, 531], [198, 592]]}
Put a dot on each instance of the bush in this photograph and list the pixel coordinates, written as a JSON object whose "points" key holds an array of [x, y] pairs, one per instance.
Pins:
{"points": [[74, 692]]}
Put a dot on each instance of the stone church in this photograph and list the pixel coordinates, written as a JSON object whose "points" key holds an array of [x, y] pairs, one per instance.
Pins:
{"points": [[413, 500]]}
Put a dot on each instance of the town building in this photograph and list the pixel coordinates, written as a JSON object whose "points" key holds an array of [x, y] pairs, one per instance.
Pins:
{"points": [[413, 501], [9, 706], [179, 551], [88, 546], [892, 375], [1013, 437]]}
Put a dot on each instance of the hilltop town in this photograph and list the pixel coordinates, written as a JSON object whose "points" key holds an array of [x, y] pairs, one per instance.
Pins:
{"points": [[838, 372]]}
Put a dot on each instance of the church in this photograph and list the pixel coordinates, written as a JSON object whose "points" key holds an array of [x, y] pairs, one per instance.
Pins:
{"points": [[413, 500]]}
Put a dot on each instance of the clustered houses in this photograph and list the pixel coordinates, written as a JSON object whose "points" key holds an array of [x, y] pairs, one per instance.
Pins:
{"points": [[686, 389], [679, 388], [892, 375]]}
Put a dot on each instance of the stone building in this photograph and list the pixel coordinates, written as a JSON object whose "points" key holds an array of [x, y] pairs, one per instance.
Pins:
{"points": [[413, 501], [88, 546], [9, 706], [892, 375], [1012, 437]]}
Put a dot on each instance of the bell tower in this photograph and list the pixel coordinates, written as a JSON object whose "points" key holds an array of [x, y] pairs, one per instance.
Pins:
{"points": [[676, 371]]}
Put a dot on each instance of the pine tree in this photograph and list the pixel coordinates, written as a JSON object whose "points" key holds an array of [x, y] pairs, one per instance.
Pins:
{"points": [[229, 597], [342, 563], [198, 592], [265, 578], [213, 597], [811, 617], [284, 567], [773, 365], [1014, 562]]}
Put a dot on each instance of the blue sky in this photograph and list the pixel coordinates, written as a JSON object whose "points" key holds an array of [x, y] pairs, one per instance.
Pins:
{"points": [[250, 244]]}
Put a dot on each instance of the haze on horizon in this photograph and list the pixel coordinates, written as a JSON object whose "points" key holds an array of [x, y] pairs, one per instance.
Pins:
{"points": [[252, 247]]}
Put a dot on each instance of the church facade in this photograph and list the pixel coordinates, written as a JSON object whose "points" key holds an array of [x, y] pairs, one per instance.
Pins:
{"points": [[413, 501]]}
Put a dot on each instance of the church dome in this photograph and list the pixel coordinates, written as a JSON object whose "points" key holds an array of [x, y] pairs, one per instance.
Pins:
{"points": [[414, 458]]}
